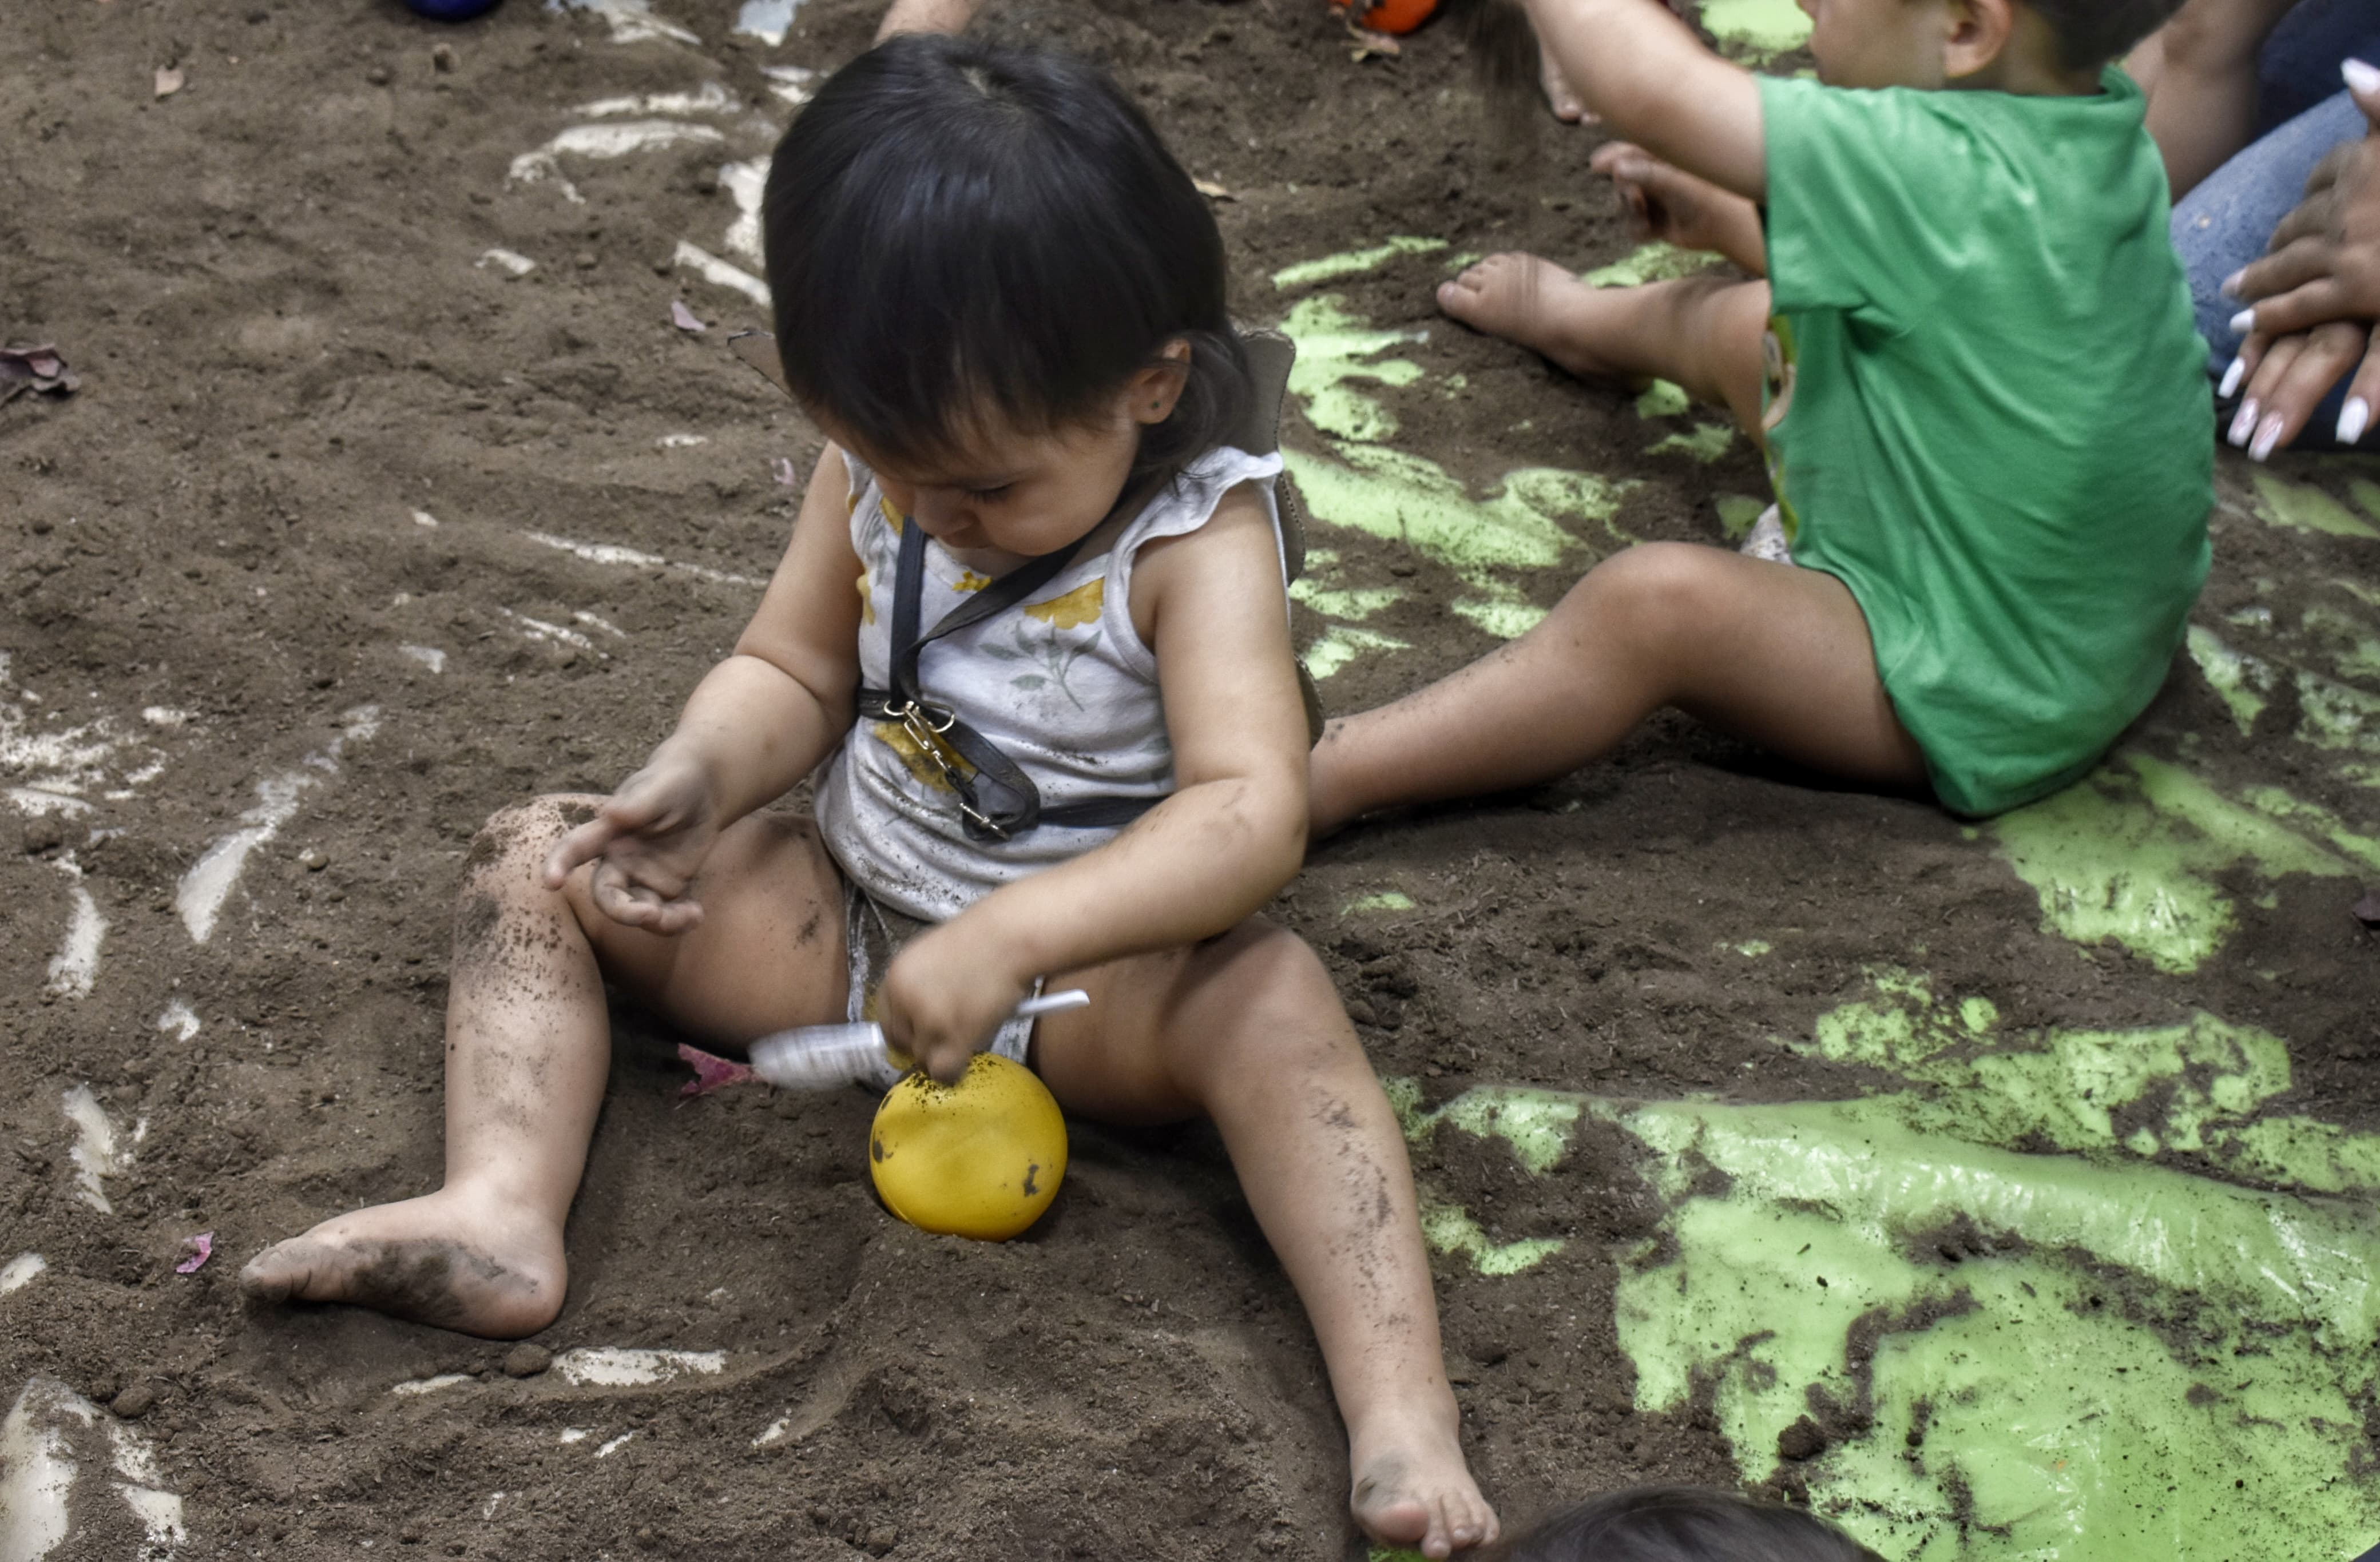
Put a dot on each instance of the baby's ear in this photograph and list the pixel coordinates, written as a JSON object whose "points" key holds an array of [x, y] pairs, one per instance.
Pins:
{"points": [[1153, 391], [1974, 35]]}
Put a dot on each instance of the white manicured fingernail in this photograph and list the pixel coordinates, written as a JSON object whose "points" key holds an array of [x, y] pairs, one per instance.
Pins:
{"points": [[2353, 419], [2231, 378], [2241, 422], [2362, 77], [2244, 322], [2267, 437], [2230, 289]]}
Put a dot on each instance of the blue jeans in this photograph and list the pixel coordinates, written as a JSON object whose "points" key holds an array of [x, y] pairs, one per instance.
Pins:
{"points": [[2226, 222]]}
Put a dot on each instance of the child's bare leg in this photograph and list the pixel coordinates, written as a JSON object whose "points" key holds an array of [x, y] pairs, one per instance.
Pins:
{"points": [[528, 1050], [1776, 654], [1702, 332], [1247, 1029]]}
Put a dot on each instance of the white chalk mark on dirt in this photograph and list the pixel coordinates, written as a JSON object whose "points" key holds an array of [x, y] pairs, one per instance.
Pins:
{"points": [[425, 519], [494, 1500], [609, 141], [165, 716], [574, 1434], [513, 263], [596, 621], [75, 967], [50, 1435], [712, 99], [21, 1271], [180, 1019], [97, 1153], [413, 1387], [713, 270], [747, 182], [632, 20], [791, 82], [615, 1446], [209, 881], [427, 656], [616, 1366], [538, 629], [682, 442], [768, 21], [611, 553], [774, 1432]]}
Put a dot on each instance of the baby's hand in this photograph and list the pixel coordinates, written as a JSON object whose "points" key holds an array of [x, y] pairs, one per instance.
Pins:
{"points": [[1672, 205], [943, 998], [646, 841]]}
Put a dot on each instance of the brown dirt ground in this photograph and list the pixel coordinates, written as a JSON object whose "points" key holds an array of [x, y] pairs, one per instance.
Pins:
{"points": [[267, 283]]}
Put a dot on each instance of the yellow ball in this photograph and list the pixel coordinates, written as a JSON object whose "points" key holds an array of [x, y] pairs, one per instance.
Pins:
{"points": [[980, 1158]]}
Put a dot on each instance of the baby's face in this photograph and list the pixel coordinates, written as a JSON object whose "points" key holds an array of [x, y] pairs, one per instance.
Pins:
{"points": [[1017, 493], [1879, 42]]}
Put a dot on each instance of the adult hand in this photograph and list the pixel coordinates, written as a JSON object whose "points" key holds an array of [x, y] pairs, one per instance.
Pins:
{"points": [[647, 840], [2314, 297], [1672, 205], [945, 995]]}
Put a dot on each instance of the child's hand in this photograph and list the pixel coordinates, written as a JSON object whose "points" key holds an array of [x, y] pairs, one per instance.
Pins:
{"points": [[944, 996], [647, 840], [1672, 205]]}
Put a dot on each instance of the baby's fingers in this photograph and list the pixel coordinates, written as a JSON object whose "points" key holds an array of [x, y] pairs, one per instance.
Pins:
{"points": [[635, 905], [582, 845]]}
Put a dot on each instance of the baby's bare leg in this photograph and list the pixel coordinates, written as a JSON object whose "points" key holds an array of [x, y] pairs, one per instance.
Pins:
{"points": [[1776, 654], [1248, 1030], [528, 1050], [1702, 332]]}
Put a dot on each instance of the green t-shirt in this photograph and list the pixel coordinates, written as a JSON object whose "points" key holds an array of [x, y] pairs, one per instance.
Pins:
{"points": [[1988, 413]]}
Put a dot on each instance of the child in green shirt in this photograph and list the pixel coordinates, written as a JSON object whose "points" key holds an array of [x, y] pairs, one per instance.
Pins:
{"points": [[1973, 368]]}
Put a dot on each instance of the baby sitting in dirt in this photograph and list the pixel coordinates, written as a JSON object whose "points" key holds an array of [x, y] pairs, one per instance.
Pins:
{"points": [[1973, 368], [1003, 300]]}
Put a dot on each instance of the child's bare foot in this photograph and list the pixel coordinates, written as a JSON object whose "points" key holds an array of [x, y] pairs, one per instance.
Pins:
{"points": [[443, 1259], [1413, 1489], [1539, 306]]}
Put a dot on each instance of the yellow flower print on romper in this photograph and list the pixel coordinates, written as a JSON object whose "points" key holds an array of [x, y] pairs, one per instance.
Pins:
{"points": [[1074, 610], [1051, 657]]}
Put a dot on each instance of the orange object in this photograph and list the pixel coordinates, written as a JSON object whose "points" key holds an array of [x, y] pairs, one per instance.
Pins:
{"points": [[1396, 16]]}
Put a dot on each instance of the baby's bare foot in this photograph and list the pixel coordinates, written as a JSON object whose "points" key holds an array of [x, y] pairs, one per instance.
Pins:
{"points": [[1538, 304], [442, 1260], [1413, 1488]]}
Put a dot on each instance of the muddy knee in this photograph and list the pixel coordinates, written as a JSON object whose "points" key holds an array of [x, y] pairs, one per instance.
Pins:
{"points": [[520, 836]]}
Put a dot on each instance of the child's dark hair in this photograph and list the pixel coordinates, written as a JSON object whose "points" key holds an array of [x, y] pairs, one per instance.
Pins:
{"points": [[1682, 1524], [2090, 34], [957, 229]]}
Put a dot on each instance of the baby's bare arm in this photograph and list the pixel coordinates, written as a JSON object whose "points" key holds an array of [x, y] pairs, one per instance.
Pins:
{"points": [[1231, 835], [1655, 83], [755, 724]]}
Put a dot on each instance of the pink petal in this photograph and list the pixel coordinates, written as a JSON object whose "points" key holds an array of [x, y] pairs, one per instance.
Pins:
{"points": [[202, 1247], [683, 318], [783, 470], [711, 1073]]}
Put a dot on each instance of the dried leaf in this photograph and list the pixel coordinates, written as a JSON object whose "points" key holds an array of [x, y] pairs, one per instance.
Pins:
{"points": [[169, 80], [34, 368], [711, 1073], [2367, 910], [685, 318], [1212, 189], [201, 1248]]}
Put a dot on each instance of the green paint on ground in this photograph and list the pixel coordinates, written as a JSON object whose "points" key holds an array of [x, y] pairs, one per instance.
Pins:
{"points": [[1354, 262], [1662, 399], [2334, 715], [2367, 494], [2317, 819], [1738, 514], [2304, 507], [1753, 949], [1449, 1229], [1341, 644], [1505, 620], [1332, 345], [1382, 899], [2242, 681], [1651, 262], [1349, 604], [2132, 852], [2359, 653], [1707, 444], [1403, 498], [2011, 1355], [1756, 29]]}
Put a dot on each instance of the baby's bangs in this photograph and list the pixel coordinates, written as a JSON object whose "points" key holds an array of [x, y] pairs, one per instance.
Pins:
{"points": [[957, 234]]}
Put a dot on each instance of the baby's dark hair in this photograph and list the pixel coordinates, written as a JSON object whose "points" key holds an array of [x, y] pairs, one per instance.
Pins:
{"points": [[1682, 1524], [2090, 34], [957, 229]]}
